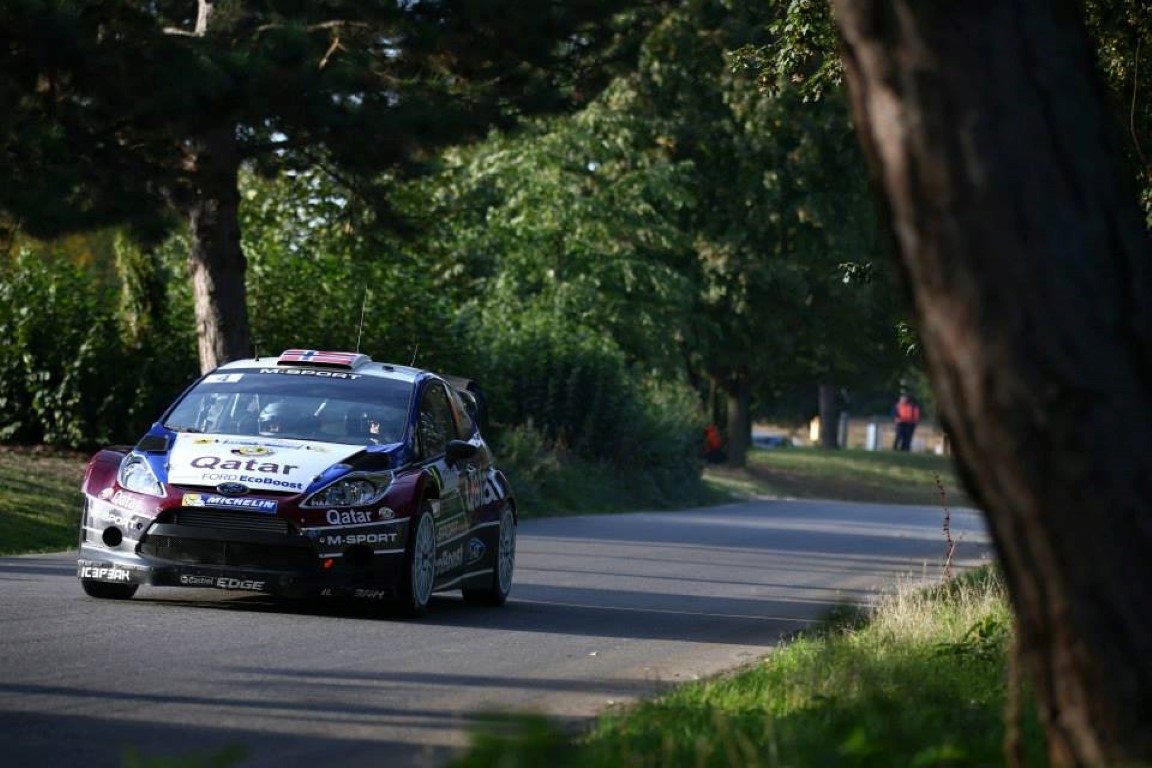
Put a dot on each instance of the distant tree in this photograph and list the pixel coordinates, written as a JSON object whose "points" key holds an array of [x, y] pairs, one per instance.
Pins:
{"points": [[783, 211], [1003, 175], [575, 219], [142, 113], [707, 229]]}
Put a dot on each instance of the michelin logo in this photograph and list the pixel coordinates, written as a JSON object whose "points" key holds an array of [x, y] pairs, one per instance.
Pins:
{"points": [[267, 506]]}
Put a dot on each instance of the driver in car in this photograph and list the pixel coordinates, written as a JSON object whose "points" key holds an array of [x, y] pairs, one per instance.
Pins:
{"points": [[278, 418]]}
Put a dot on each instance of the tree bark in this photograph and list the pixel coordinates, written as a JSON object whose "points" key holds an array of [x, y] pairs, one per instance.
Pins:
{"points": [[737, 387], [216, 261], [1000, 174], [829, 397]]}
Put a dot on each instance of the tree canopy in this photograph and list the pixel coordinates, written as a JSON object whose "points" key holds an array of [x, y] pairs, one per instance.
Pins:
{"points": [[138, 113]]}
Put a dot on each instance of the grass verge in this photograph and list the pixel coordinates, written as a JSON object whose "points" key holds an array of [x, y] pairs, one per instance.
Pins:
{"points": [[882, 477], [916, 680], [40, 500]]}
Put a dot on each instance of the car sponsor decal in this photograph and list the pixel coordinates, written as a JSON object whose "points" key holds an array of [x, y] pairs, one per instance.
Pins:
{"points": [[210, 460], [473, 490], [128, 501], [267, 506], [450, 529], [246, 585], [494, 490], [192, 580], [351, 516], [253, 450], [449, 560], [102, 514], [350, 538], [309, 372], [476, 550], [380, 537], [222, 378], [251, 445], [102, 572]]}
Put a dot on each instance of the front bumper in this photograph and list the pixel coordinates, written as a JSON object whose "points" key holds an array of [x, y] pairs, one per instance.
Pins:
{"points": [[379, 580], [210, 549]]}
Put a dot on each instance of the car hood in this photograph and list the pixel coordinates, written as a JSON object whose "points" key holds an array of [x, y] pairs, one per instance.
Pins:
{"points": [[259, 463]]}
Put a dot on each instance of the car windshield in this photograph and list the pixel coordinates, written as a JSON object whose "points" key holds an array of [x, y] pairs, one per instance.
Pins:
{"points": [[360, 410]]}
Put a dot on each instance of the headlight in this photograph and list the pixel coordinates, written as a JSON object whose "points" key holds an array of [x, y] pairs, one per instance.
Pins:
{"points": [[352, 491], [136, 475]]}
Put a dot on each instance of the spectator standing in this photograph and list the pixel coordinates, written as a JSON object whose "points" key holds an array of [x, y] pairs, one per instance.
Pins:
{"points": [[713, 445], [906, 414]]}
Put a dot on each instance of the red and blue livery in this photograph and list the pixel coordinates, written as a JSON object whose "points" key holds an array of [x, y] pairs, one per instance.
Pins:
{"points": [[311, 474]]}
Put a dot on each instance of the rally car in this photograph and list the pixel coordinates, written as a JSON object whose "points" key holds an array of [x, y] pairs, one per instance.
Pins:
{"points": [[309, 474]]}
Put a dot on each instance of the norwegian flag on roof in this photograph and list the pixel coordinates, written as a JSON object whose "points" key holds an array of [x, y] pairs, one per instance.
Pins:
{"points": [[318, 357]]}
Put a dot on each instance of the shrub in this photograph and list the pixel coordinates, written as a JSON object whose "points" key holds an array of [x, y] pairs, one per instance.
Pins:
{"points": [[69, 378], [565, 391]]}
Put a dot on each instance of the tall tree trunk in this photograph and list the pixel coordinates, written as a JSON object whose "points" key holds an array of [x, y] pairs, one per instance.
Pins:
{"points": [[829, 397], [995, 157], [216, 262], [737, 387]]}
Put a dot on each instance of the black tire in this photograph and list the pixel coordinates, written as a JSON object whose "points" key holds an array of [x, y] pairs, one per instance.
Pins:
{"points": [[419, 564], [106, 591], [495, 593]]}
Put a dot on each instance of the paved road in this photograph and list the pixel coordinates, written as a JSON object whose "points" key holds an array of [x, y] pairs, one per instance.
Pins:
{"points": [[604, 609]]}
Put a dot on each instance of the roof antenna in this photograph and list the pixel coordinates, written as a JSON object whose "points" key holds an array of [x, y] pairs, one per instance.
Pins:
{"points": [[414, 351], [360, 333]]}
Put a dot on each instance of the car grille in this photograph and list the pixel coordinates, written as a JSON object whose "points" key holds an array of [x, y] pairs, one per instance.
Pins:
{"points": [[218, 537], [233, 521]]}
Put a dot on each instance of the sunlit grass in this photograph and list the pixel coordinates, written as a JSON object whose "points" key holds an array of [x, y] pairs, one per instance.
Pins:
{"points": [[887, 477], [39, 501], [919, 680]]}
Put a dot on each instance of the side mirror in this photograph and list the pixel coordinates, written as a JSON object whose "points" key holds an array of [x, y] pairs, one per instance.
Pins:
{"points": [[460, 450]]}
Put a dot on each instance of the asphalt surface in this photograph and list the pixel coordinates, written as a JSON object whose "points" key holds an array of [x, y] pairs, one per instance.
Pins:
{"points": [[604, 609]]}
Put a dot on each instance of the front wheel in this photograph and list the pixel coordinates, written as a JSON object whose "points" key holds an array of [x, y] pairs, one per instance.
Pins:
{"points": [[419, 565], [500, 582], [106, 591]]}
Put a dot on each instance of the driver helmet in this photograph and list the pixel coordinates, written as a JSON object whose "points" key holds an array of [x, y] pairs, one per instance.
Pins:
{"points": [[275, 418]]}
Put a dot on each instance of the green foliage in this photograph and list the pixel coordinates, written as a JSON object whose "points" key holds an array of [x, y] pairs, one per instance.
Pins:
{"points": [[899, 688], [321, 277], [573, 386], [802, 51], [787, 206], [232, 755], [519, 742], [551, 480], [69, 377], [81, 148], [59, 359], [1122, 32], [575, 219]]}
